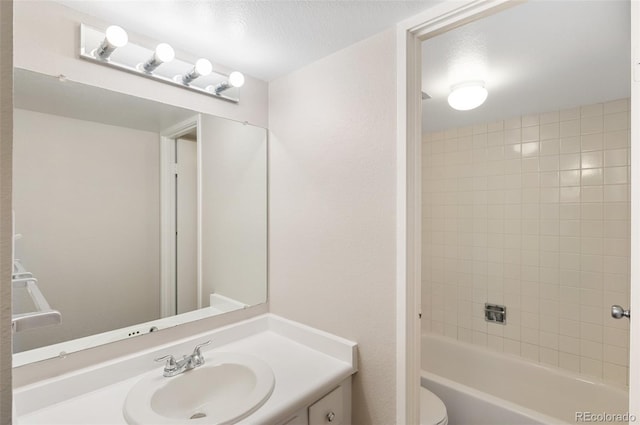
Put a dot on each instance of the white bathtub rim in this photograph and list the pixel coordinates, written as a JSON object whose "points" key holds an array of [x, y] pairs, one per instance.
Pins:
{"points": [[524, 411], [483, 350]]}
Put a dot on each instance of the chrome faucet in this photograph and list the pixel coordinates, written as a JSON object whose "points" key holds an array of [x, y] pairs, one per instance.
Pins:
{"points": [[173, 367]]}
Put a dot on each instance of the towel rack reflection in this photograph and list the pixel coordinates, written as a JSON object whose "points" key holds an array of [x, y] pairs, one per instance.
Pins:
{"points": [[44, 314]]}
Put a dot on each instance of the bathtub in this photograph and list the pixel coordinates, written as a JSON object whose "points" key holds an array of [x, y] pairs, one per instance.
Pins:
{"points": [[482, 387]]}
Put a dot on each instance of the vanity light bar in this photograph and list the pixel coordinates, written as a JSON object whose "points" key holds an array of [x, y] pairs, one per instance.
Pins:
{"points": [[99, 47]]}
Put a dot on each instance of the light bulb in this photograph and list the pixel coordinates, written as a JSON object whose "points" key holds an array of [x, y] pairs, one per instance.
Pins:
{"points": [[236, 79], [114, 37], [203, 67], [163, 53], [468, 95]]}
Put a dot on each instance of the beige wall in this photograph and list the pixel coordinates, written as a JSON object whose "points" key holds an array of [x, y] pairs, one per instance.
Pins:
{"points": [[86, 201], [234, 210], [532, 212], [6, 130], [332, 208]]}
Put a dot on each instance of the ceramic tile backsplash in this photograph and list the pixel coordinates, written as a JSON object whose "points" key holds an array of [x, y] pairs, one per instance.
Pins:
{"points": [[532, 212]]}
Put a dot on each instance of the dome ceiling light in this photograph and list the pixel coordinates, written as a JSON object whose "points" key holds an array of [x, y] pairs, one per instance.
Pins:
{"points": [[468, 95]]}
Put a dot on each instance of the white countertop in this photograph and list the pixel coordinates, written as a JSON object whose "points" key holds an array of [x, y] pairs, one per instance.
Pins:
{"points": [[307, 364]]}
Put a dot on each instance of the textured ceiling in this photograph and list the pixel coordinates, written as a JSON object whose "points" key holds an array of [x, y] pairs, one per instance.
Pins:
{"points": [[535, 57], [265, 39], [539, 55]]}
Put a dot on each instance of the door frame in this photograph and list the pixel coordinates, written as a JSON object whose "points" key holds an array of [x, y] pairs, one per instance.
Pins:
{"points": [[167, 214], [634, 329], [409, 36]]}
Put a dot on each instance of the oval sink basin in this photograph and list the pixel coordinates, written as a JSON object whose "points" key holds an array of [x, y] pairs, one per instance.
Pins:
{"points": [[226, 389]]}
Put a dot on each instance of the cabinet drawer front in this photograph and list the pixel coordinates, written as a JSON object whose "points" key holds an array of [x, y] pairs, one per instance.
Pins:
{"points": [[299, 419], [329, 410]]}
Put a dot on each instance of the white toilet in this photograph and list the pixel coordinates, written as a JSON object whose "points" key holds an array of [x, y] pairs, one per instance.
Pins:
{"points": [[432, 409]]}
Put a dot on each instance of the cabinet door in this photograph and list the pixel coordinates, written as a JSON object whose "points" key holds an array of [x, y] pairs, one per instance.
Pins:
{"points": [[329, 410]]}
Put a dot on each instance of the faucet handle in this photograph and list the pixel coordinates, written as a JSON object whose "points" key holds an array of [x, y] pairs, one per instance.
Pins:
{"points": [[199, 346], [171, 362], [197, 356]]}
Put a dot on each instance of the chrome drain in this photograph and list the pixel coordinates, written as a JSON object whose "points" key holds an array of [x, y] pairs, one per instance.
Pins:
{"points": [[198, 416]]}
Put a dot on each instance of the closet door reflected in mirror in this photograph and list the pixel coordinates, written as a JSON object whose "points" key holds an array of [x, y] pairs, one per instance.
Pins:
{"points": [[90, 207], [186, 281], [234, 196]]}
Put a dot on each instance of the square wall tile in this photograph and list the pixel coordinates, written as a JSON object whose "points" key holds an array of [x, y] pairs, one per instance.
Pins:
{"points": [[620, 105], [570, 128], [592, 142], [591, 367], [616, 157], [592, 110], [549, 145], [616, 139], [570, 144], [549, 131], [569, 114], [592, 160], [569, 161], [530, 134], [569, 362], [551, 117], [592, 124], [592, 177], [512, 135], [616, 121], [512, 123], [616, 175]]}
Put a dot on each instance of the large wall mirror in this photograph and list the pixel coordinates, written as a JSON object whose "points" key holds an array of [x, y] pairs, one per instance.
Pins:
{"points": [[130, 215]]}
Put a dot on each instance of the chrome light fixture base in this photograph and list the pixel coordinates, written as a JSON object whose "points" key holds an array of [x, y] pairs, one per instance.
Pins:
{"points": [[139, 60]]}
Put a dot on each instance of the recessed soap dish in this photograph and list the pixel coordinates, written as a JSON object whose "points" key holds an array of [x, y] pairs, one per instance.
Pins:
{"points": [[495, 313]]}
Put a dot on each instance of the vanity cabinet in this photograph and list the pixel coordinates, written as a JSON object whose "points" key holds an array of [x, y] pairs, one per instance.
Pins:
{"points": [[334, 408]]}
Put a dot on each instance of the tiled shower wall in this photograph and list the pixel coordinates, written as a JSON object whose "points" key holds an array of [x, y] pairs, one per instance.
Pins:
{"points": [[532, 212]]}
